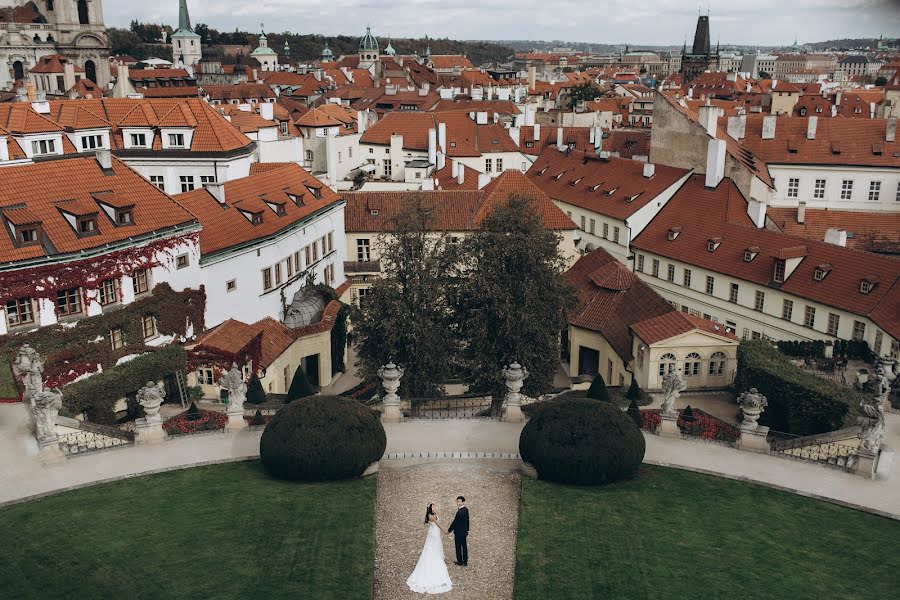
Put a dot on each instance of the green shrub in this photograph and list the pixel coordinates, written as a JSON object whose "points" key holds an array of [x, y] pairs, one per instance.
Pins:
{"points": [[257, 418], [339, 339], [193, 413], [635, 412], [194, 394], [582, 441], [255, 392], [800, 403], [688, 414], [634, 390], [300, 386], [598, 390], [322, 438]]}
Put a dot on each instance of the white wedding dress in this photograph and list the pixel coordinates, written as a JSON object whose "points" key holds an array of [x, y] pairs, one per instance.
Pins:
{"points": [[430, 575]]}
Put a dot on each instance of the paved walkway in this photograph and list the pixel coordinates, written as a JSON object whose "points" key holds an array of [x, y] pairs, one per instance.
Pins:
{"points": [[22, 475], [492, 495]]}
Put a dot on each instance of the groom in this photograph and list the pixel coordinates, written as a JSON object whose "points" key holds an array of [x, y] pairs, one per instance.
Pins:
{"points": [[460, 529]]}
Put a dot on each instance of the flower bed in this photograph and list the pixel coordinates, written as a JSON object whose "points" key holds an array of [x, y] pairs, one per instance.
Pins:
{"points": [[182, 425], [707, 427], [265, 419], [650, 420]]}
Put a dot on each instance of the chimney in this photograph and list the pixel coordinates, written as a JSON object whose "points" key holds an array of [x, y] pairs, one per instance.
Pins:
{"points": [[255, 75], [537, 132], [592, 133], [737, 126], [731, 76], [514, 134], [217, 191], [833, 110], [104, 159], [649, 170], [890, 133], [4, 149], [838, 97], [559, 139], [29, 88], [68, 76], [532, 76], [708, 117], [21, 95], [362, 119], [756, 210], [432, 146], [811, 128], [835, 236], [441, 161], [267, 111], [768, 127], [715, 162], [481, 118], [801, 213], [483, 180], [460, 173], [454, 168], [442, 137]]}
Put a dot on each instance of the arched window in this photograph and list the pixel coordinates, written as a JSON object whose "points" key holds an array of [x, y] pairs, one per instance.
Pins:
{"points": [[18, 70], [83, 12], [692, 365], [90, 70], [717, 364], [666, 364]]}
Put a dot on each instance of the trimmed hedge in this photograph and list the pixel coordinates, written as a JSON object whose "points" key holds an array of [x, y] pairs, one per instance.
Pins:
{"points": [[582, 441], [97, 395], [255, 392], [300, 387], [598, 390], [322, 438], [800, 403], [815, 349]]}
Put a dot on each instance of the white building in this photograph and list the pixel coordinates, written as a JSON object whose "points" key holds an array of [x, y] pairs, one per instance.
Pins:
{"points": [[185, 43]]}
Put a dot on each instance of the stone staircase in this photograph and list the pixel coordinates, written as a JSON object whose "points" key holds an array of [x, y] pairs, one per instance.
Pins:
{"points": [[79, 437], [836, 448]]}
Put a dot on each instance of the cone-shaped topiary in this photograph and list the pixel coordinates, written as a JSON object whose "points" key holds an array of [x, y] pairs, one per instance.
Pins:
{"points": [[255, 392], [193, 413], [322, 438], [582, 441], [300, 386], [634, 390], [688, 414], [634, 412], [598, 390], [257, 418]]}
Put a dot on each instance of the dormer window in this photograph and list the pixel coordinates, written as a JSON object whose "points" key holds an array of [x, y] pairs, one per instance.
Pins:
{"points": [[124, 216], [713, 243], [138, 140], [316, 192], [176, 140], [750, 254], [43, 147], [27, 235], [674, 232], [297, 200], [835, 147], [91, 142], [867, 284], [821, 272], [87, 226], [778, 277], [374, 212], [277, 208], [256, 218]]}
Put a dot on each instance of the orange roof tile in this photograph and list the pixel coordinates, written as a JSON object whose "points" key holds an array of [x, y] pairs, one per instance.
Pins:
{"points": [[873, 232]]}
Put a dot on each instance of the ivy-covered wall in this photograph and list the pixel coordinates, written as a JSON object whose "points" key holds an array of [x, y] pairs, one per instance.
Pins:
{"points": [[70, 351]]}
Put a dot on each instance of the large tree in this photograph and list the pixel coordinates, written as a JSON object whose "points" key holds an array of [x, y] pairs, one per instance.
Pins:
{"points": [[405, 317], [586, 91], [513, 302]]}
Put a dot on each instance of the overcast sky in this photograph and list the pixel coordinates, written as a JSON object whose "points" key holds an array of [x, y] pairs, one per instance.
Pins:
{"points": [[751, 22]]}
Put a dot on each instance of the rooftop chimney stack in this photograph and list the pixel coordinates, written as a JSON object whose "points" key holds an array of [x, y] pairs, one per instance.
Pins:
{"points": [[4, 149], [559, 139], [432, 146], [217, 191], [537, 132], [460, 173], [649, 170], [454, 168], [104, 159], [811, 128], [768, 127], [715, 162], [801, 213], [708, 117], [532, 76], [442, 137], [890, 133]]}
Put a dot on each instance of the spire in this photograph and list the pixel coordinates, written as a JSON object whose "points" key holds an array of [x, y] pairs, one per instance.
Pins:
{"points": [[184, 19]]}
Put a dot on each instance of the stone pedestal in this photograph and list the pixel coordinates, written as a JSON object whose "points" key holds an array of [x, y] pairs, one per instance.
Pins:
{"points": [[149, 431], [754, 440], [512, 413], [527, 469], [668, 427], [371, 469], [390, 413], [52, 453], [866, 464], [236, 422]]}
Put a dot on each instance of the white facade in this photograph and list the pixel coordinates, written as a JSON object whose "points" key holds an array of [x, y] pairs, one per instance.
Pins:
{"points": [[234, 278], [177, 175], [836, 187]]}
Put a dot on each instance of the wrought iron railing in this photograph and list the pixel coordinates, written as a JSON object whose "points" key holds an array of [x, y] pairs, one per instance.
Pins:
{"points": [[822, 448], [449, 408]]}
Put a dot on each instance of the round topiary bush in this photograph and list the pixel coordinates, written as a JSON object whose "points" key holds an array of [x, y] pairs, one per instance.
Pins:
{"points": [[322, 438], [582, 441]]}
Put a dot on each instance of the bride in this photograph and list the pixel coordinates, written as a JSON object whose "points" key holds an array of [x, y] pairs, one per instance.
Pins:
{"points": [[430, 575]]}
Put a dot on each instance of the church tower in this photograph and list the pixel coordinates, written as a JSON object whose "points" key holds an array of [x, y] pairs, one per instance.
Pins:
{"points": [[185, 43], [368, 50]]}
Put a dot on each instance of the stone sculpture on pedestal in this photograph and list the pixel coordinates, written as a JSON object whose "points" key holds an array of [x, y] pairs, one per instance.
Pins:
{"points": [[46, 408], [752, 405], [672, 387], [149, 429], [233, 381], [871, 417], [390, 375], [515, 376]]}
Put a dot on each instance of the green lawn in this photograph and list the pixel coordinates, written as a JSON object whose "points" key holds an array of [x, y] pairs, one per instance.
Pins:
{"points": [[680, 535], [8, 387], [223, 531]]}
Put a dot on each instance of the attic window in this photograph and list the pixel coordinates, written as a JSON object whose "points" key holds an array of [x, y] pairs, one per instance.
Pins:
{"points": [[713, 244], [594, 188], [124, 216], [254, 217], [374, 212], [560, 175], [821, 272], [297, 200], [778, 277], [453, 144], [631, 199], [612, 191], [495, 142], [877, 148], [673, 233], [792, 146], [277, 208], [835, 147], [28, 235], [750, 254], [87, 226], [575, 181], [529, 144], [867, 284], [316, 192]]}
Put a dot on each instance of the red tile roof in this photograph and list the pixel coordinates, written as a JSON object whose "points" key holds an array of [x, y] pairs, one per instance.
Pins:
{"points": [[704, 213], [317, 118], [514, 183], [77, 184], [614, 187], [232, 337], [446, 180], [53, 63], [871, 231], [464, 137], [672, 324], [450, 61], [227, 227]]}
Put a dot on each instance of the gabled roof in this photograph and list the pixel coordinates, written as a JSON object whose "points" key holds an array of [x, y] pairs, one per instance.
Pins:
{"points": [[615, 187], [317, 118], [450, 61], [233, 337], [515, 183], [868, 231], [464, 136], [226, 227], [74, 116], [674, 323], [19, 118]]}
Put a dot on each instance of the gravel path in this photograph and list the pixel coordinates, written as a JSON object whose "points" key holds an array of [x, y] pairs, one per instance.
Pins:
{"points": [[492, 495]]}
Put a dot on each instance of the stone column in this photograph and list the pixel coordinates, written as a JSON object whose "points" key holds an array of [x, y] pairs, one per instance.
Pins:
{"points": [[515, 376], [390, 375], [753, 435], [149, 430], [233, 381]]}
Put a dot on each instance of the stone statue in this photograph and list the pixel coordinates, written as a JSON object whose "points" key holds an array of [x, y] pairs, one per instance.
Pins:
{"points": [[882, 386], [233, 381], [150, 397], [46, 408], [515, 376], [752, 404], [390, 375], [871, 422], [671, 387], [30, 367]]}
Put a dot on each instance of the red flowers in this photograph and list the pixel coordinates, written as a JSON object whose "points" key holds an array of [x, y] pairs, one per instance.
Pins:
{"points": [[650, 420], [209, 421], [707, 427]]}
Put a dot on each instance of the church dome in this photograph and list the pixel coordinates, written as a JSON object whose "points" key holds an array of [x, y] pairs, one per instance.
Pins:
{"points": [[327, 53], [390, 50], [368, 43]]}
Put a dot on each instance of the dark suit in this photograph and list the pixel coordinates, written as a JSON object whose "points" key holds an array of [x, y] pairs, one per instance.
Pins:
{"points": [[460, 530]]}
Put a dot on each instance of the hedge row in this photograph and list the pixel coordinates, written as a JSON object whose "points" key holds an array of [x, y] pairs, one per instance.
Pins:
{"points": [[800, 403], [814, 349], [97, 395]]}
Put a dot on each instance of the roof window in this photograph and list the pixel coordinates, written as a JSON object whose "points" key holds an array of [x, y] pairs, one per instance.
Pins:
{"points": [[673, 233], [713, 244]]}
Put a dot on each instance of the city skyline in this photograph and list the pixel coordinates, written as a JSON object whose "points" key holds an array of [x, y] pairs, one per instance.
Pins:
{"points": [[661, 22]]}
